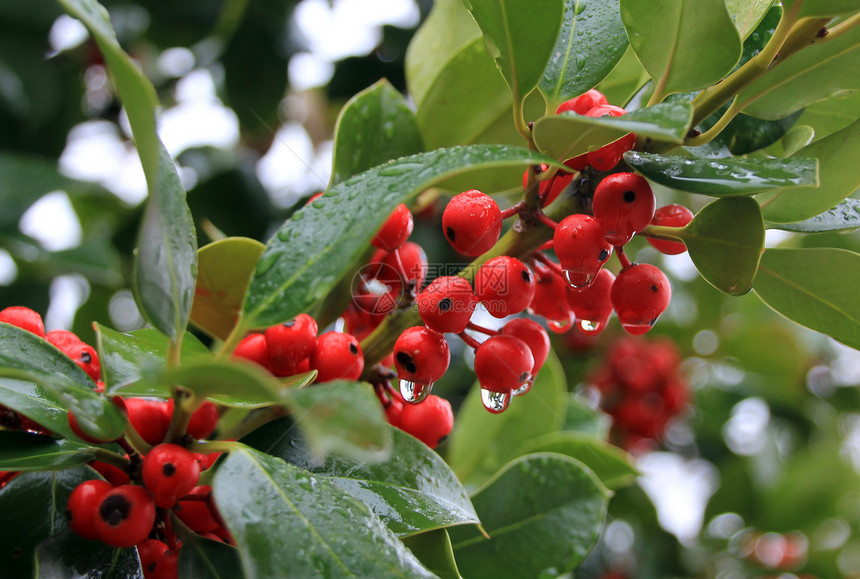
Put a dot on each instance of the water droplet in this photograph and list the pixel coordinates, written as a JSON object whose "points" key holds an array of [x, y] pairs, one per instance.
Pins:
{"points": [[590, 327], [284, 234], [524, 387], [266, 262], [636, 329], [414, 393], [578, 280], [388, 129], [492, 49], [495, 402], [392, 171], [561, 326], [297, 216]]}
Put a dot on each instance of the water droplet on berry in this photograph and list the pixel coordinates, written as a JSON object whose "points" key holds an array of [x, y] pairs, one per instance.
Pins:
{"points": [[414, 393], [561, 326], [524, 387], [589, 327], [578, 280], [636, 329], [495, 402]]}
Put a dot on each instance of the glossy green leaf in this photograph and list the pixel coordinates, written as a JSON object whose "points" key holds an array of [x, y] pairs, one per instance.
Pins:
{"points": [[746, 14], [20, 450], [591, 42], [311, 251], [543, 512], [816, 288], [508, 28], [225, 268], [25, 356], [374, 127], [481, 442], [204, 558], [844, 217], [820, 8], [831, 115], [725, 177], [725, 240], [568, 135], [583, 417], [71, 557], [838, 179], [794, 140], [609, 463], [627, 76], [290, 523], [344, 418], [684, 45], [128, 358], [817, 72], [36, 403], [413, 491], [166, 262], [434, 550]]}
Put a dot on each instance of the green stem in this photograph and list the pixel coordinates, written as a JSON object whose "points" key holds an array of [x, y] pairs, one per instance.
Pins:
{"points": [[519, 119], [228, 345], [721, 124], [181, 415], [841, 28], [253, 421], [216, 446], [135, 440], [110, 457], [663, 232]]}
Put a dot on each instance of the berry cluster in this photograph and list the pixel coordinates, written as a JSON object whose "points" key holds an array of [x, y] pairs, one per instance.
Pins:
{"points": [[641, 387]]}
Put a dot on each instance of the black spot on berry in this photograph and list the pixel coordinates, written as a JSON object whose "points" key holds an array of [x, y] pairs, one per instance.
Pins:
{"points": [[406, 361], [353, 348], [289, 324], [523, 377], [604, 254], [445, 304], [450, 233], [86, 358], [115, 509], [526, 275], [652, 322], [654, 288], [169, 469], [629, 196]]}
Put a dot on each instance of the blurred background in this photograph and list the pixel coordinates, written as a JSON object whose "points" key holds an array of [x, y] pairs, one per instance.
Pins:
{"points": [[757, 476]]}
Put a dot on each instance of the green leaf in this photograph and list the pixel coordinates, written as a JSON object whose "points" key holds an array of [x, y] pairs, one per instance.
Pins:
{"points": [[543, 512], [374, 127], [72, 557], [25, 356], [684, 45], [412, 492], [568, 134], [795, 139], [290, 523], [129, 358], [838, 179], [844, 217], [344, 418], [509, 28], [36, 403], [725, 240], [166, 262], [21, 450], [583, 417], [481, 442], [203, 558], [609, 463], [746, 14], [434, 550], [820, 8], [724, 177], [312, 250], [591, 42], [225, 268], [817, 72], [816, 288]]}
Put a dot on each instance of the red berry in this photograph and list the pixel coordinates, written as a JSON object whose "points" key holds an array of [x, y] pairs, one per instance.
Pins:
{"points": [[113, 474], [430, 422], [411, 275], [550, 301], [253, 347], [337, 356], [149, 552], [394, 410], [447, 304], [396, 230], [639, 295], [624, 205], [472, 222], [670, 216], [203, 420], [85, 357], [82, 506], [150, 418], [196, 513], [61, 338], [533, 335], [557, 185], [23, 318], [503, 363], [583, 103], [592, 305], [581, 248], [421, 355], [125, 516], [170, 471], [168, 566], [505, 285], [79, 432], [606, 157], [290, 343]]}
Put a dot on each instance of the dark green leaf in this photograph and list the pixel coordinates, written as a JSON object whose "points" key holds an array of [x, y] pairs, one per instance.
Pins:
{"points": [[128, 358], [68, 556], [724, 177], [374, 127], [843, 217], [509, 27], [684, 45], [591, 42], [481, 442], [543, 512], [311, 251], [344, 418], [817, 72], [225, 270], [610, 463], [746, 14], [434, 550], [568, 135], [838, 179], [36, 403], [816, 288], [290, 523], [725, 240], [412, 492], [21, 450], [203, 558]]}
